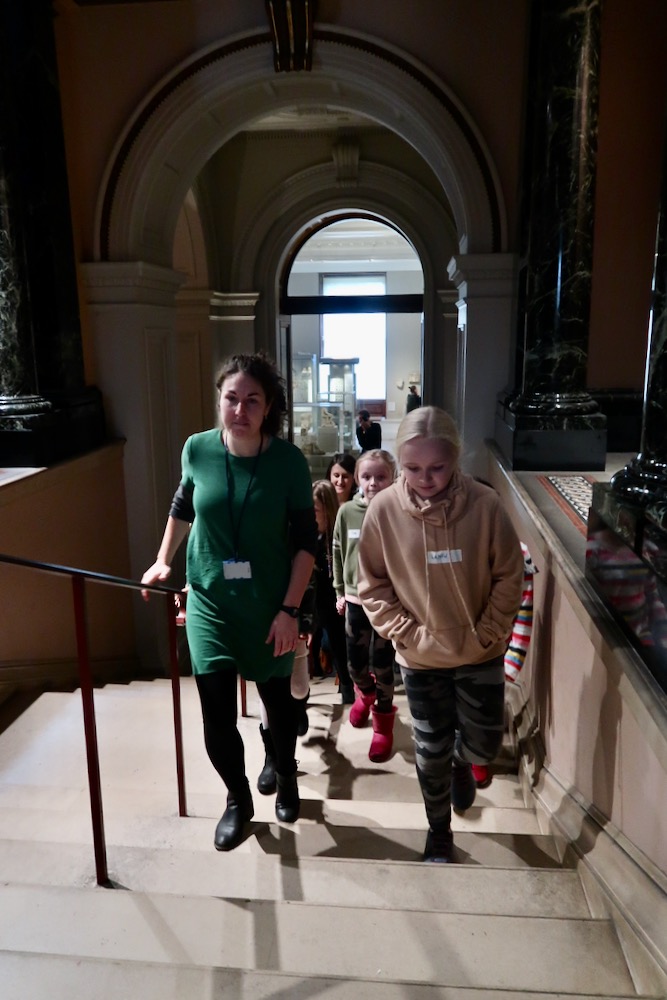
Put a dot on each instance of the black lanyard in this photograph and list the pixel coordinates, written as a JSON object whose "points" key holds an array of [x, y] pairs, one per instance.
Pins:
{"points": [[236, 528]]}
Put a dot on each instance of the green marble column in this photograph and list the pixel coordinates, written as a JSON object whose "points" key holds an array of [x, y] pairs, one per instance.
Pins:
{"points": [[47, 413], [18, 377], [549, 420]]}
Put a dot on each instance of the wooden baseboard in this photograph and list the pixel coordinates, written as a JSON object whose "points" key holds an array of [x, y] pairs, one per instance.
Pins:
{"points": [[65, 672]]}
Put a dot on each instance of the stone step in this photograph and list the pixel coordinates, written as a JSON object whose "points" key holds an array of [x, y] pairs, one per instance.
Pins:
{"points": [[45, 977], [45, 749], [253, 874], [122, 804], [303, 840], [55, 977], [325, 711], [575, 956]]}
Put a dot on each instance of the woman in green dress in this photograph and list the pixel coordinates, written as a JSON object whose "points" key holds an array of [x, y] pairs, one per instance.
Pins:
{"points": [[245, 504]]}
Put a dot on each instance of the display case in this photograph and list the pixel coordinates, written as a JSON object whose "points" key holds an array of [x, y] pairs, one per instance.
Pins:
{"points": [[318, 431], [338, 386], [304, 378]]}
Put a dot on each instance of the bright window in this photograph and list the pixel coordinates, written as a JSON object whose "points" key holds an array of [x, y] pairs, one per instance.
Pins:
{"points": [[358, 335]]}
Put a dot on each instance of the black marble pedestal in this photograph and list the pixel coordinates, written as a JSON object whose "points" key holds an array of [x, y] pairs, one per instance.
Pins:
{"points": [[71, 427], [533, 443], [626, 561]]}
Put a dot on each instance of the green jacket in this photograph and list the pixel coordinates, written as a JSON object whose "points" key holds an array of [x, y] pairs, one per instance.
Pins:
{"points": [[347, 531]]}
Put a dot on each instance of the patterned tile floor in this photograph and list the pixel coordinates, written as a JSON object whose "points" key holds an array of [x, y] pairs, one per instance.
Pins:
{"points": [[575, 491]]}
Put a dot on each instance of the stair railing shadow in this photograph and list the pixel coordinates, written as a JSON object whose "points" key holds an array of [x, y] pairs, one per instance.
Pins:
{"points": [[78, 578]]}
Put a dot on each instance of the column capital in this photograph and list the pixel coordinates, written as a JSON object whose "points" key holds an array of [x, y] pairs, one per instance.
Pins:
{"points": [[130, 282], [234, 305], [448, 298], [487, 274]]}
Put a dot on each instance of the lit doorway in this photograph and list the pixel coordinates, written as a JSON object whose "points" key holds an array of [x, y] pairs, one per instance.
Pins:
{"points": [[352, 334]]}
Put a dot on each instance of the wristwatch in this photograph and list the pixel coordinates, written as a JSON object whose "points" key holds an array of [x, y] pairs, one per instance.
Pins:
{"points": [[290, 610]]}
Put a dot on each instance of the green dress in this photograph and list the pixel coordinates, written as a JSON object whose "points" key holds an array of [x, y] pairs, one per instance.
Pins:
{"points": [[248, 500]]}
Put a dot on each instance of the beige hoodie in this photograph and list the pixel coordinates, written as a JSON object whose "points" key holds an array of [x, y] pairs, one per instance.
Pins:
{"points": [[442, 580]]}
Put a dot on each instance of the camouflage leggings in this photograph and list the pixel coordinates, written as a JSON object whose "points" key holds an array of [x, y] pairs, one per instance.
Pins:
{"points": [[368, 655], [465, 705]]}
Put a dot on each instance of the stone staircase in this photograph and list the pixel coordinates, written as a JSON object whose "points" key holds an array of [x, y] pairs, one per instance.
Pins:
{"points": [[337, 906]]}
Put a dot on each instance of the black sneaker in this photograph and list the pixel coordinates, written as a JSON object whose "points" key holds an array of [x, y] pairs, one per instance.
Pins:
{"points": [[464, 788], [439, 847]]}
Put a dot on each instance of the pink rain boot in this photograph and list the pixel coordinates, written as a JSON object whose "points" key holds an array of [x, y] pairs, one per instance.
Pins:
{"points": [[383, 735], [482, 775], [361, 708]]}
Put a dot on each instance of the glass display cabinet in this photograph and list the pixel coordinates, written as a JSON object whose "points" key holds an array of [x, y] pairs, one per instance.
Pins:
{"points": [[338, 385], [324, 406], [318, 430], [304, 378]]}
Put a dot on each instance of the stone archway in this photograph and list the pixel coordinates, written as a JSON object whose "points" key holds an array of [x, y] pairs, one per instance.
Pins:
{"points": [[207, 100], [382, 192]]}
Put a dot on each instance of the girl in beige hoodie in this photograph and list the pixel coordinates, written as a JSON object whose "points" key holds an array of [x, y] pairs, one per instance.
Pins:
{"points": [[440, 575]]}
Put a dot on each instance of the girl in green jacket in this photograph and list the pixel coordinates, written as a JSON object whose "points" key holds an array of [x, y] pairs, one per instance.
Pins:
{"points": [[370, 657]]}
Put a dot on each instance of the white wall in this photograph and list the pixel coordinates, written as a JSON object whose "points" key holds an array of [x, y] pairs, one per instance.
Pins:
{"points": [[404, 346]]}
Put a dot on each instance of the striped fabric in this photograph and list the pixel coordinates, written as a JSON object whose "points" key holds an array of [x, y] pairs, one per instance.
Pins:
{"points": [[628, 585], [523, 623]]}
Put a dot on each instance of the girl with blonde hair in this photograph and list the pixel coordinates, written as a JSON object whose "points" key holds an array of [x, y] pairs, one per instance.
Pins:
{"points": [[440, 576]]}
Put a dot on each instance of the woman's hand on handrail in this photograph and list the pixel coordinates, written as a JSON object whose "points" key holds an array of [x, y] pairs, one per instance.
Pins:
{"points": [[174, 533], [159, 572]]}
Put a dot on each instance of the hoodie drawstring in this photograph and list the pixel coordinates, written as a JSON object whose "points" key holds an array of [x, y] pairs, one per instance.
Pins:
{"points": [[428, 575], [455, 578]]}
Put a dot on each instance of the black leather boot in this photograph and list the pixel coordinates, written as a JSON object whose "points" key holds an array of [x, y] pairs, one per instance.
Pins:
{"points": [[302, 715], [288, 803], [347, 693], [266, 783], [239, 811]]}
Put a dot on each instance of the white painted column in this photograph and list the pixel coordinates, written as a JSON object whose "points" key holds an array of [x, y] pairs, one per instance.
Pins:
{"points": [[450, 354], [132, 310], [233, 319], [486, 285], [210, 326]]}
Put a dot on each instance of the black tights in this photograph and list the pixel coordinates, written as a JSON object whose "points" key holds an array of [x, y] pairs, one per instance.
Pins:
{"points": [[218, 697]]}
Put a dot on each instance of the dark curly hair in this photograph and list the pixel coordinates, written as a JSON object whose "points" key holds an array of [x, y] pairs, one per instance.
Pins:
{"points": [[264, 371]]}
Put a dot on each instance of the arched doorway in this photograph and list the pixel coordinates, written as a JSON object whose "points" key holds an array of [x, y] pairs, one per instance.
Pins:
{"points": [[440, 189], [352, 302], [207, 100]]}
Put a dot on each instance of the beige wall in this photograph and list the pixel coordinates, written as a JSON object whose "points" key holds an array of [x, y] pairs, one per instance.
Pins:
{"points": [[478, 49], [603, 727], [633, 107], [71, 515]]}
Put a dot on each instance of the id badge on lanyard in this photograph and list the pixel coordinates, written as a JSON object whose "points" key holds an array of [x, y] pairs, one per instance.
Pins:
{"points": [[236, 569]]}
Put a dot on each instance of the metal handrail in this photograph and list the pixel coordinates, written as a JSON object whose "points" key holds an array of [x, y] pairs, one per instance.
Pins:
{"points": [[78, 578]]}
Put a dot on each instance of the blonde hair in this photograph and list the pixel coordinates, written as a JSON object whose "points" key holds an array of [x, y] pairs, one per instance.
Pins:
{"points": [[324, 491], [379, 455], [432, 423]]}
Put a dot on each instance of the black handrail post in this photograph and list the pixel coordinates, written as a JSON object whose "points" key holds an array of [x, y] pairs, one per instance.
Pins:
{"points": [[176, 700], [90, 730]]}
